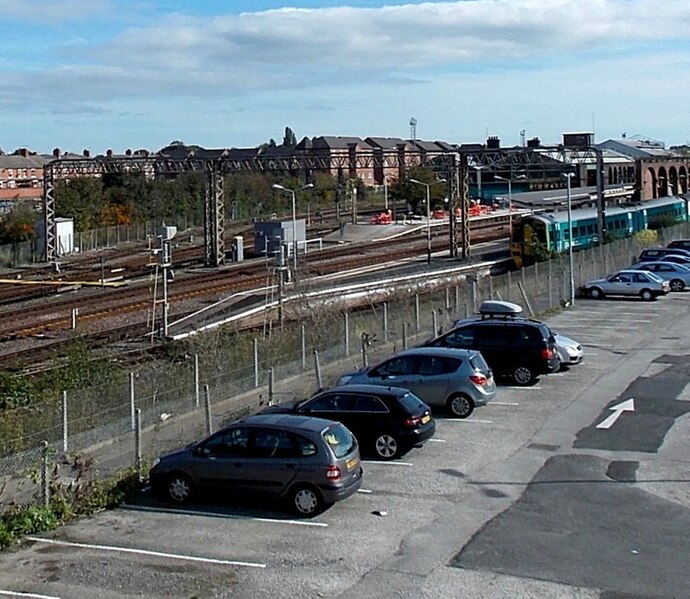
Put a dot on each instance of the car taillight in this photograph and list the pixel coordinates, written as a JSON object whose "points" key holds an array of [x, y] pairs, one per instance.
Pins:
{"points": [[332, 473], [547, 353], [478, 379], [413, 421]]}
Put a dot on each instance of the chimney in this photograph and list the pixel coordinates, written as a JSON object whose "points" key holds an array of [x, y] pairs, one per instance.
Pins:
{"points": [[535, 142], [24, 152], [87, 154], [108, 153], [493, 143], [56, 153], [128, 152]]}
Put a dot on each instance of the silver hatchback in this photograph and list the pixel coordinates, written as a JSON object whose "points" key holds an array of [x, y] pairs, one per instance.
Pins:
{"points": [[457, 380], [646, 285]]}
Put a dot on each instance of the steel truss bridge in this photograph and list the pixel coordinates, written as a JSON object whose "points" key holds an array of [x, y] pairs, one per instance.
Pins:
{"points": [[543, 163]]}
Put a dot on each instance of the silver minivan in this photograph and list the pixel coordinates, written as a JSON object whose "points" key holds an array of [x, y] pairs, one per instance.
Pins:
{"points": [[457, 380]]}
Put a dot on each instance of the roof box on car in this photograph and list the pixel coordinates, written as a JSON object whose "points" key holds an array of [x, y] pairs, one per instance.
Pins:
{"points": [[499, 308]]}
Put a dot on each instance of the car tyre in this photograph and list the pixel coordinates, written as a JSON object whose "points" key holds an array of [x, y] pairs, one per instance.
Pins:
{"points": [[386, 446], [522, 375], [596, 293], [646, 295], [306, 501], [677, 285], [460, 406], [179, 488]]}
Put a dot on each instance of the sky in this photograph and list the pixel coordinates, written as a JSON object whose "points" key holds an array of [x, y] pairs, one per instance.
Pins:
{"points": [[138, 74]]}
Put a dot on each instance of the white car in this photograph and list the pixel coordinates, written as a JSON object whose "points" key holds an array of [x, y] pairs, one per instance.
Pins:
{"points": [[677, 275], [646, 285], [570, 352]]}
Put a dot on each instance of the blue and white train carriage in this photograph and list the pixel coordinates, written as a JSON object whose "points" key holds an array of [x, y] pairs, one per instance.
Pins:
{"points": [[548, 231]]}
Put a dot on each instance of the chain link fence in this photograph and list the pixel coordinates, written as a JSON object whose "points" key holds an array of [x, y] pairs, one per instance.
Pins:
{"points": [[164, 405]]}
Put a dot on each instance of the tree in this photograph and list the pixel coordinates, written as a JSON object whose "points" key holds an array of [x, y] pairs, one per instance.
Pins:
{"points": [[18, 224], [289, 139]]}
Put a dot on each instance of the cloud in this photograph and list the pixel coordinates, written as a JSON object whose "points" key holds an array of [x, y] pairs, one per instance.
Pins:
{"points": [[405, 46]]}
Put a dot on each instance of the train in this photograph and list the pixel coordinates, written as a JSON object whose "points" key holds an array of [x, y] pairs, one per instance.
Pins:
{"points": [[539, 235]]}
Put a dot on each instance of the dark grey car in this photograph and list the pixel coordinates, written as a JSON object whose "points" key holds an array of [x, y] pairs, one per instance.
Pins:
{"points": [[309, 461]]}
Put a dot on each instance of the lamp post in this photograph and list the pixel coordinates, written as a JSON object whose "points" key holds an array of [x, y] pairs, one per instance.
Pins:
{"points": [[294, 217], [510, 202], [569, 176], [478, 170], [428, 214]]}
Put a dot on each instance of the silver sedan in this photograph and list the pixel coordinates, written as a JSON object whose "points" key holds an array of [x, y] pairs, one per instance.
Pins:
{"points": [[677, 275], [646, 285]]}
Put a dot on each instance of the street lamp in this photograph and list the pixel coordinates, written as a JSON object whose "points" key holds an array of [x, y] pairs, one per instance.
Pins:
{"points": [[569, 176], [428, 214], [478, 169], [294, 217]]}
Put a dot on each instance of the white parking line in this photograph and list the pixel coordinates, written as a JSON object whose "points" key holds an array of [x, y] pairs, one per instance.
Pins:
{"points": [[188, 558], [503, 403], [470, 421], [519, 388], [391, 463], [437, 440], [28, 595], [364, 491], [138, 508]]}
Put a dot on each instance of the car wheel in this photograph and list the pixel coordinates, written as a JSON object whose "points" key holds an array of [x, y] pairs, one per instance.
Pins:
{"points": [[596, 293], [646, 295], [386, 446], [677, 285], [179, 488], [460, 406], [306, 501], [522, 375]]}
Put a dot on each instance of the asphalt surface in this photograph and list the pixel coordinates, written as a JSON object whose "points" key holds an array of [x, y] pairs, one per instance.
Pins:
{"points": [[563, 489]]}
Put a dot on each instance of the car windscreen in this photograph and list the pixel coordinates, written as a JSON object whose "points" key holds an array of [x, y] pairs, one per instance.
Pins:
{"points": [[339, 439], [412, 404]]}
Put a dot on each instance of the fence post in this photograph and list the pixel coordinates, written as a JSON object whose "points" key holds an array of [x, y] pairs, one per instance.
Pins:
{"points": [[474, 293], [131, 398], [271, 386], [385, 322], [137, 443], [303, 339], [207, 409], [317, 370], [347, 334], [256, 362], [510, 284], [404, 335], [196, 380], [416, 313], [548, 283], [434, 322], [45, 483], [64, 421], [447, 299], [457, 300], [75, 312]]}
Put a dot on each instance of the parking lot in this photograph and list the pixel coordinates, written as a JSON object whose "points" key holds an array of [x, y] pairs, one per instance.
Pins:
{"points": [[561, 489]]}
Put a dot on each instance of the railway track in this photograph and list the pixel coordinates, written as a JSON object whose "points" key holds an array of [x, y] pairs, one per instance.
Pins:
{"points": [[108, 314]]}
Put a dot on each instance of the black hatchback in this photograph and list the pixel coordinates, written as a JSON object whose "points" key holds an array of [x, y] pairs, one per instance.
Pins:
{"points": [[387, 421]]}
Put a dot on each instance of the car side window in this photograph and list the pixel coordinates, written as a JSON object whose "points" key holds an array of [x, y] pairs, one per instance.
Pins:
{"points": [[271, 443], [326, 403], [640, 278], [369, 403], [460, 338], [233, 442], [431, 365], [397, 366], [305, 447]]}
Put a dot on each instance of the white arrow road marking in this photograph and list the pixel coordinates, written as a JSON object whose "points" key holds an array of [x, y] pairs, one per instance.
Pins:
{"points": [[626, 406]]}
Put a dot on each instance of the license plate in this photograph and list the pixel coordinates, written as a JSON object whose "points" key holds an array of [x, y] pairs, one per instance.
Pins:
{"points": [[426, 419], [352, 464]]}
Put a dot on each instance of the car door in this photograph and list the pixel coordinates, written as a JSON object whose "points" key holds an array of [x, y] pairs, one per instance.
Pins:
{"points": [[433, 378], [221, 460], [459, 338], [273, 461], [619, 284], [492, 340], [372, 418], [399, 371]]}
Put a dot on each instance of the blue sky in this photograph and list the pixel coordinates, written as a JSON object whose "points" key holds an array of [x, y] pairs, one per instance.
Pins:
{"points": [[234, 73]]}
